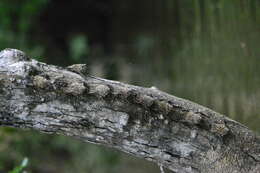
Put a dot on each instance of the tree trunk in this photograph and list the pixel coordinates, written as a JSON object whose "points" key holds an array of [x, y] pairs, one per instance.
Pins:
{"points": [[178, 134]]}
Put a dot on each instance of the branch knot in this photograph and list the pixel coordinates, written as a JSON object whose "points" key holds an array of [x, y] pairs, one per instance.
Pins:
{"points": [[10, 56]]}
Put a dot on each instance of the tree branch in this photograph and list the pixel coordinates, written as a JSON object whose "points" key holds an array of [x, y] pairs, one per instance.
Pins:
{"points": [[178, 134]]}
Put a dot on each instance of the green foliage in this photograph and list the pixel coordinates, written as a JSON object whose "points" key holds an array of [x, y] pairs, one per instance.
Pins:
{"points": [[57, 153], [20, 168], [16, 21], [79, 47]]}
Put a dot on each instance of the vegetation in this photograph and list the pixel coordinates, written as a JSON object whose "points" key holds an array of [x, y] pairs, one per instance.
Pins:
{"points": [[205, 51], [21, 167]]}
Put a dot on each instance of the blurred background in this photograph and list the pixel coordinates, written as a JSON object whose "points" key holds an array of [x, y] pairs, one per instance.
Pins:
{"points": [[206, 51]]}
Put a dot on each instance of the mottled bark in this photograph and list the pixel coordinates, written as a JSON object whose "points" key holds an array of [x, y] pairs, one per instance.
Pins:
{"points": [[146, 122]]}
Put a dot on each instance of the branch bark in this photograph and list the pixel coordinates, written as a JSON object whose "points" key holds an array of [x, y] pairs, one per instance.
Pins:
{"points": [[176, 133]]}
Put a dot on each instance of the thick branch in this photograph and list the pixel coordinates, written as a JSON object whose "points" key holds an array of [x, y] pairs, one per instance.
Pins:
{"points": [[178, 134]]}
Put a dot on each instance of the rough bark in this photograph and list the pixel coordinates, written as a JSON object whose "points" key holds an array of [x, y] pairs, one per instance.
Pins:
{"points": [[146, 122]]}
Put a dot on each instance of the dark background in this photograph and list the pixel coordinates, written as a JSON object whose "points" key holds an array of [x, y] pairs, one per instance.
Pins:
{"points": [[206, 51]]}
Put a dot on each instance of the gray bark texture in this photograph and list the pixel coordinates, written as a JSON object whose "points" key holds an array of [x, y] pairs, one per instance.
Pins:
{"points": [[178, 134]]}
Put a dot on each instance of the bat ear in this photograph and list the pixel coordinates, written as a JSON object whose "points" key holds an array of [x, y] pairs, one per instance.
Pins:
{"points": [[78, 68]]}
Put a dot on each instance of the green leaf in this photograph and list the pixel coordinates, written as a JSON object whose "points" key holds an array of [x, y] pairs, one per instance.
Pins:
{"points": [[20, 168]]}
